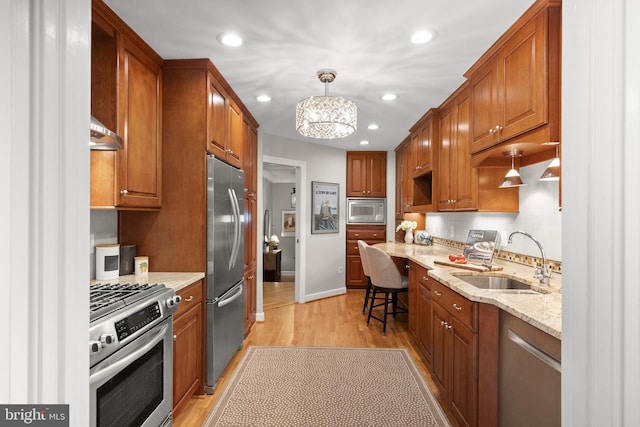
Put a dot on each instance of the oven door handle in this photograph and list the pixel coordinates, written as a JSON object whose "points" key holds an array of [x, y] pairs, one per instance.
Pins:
{"points": [[110, 369]]}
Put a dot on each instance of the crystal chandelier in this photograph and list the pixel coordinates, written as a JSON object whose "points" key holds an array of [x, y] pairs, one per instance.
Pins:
{"points": [[326, 117]]}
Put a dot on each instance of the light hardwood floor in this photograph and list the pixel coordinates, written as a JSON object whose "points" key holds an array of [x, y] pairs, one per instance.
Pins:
{"points": [[278, 294], [334, 322]]}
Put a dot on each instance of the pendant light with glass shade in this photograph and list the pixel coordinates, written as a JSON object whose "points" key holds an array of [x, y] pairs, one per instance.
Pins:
{"points": [[552, 172], [326, 117], [512, 178]]}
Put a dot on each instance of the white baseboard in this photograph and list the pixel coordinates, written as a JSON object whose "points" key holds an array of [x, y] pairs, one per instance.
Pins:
{"points": [[326, 294]]}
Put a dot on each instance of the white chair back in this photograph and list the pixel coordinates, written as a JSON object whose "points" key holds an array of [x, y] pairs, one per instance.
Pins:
{"points": [[362, 248], [384, 273]]}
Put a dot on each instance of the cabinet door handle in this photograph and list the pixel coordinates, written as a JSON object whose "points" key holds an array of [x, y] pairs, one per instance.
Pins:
{"points": [[425, 278], [375, 235], [443, 323], [438, 293], [357, 234], [457, 307], [189, 299], [124, 192]]}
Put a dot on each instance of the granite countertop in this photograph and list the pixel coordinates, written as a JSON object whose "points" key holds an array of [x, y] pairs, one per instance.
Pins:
{"points": [[543, 310], [176, 281]]}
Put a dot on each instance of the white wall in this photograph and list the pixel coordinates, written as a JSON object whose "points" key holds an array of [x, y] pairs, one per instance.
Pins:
{"points": [[601, 207], [44, 171], [325, 253], [539, 215]]}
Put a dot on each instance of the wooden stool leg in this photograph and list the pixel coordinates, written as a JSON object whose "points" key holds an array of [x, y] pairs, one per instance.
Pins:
{"points": [[395, 304], [373, 298], [366, 295], [386, 311]]}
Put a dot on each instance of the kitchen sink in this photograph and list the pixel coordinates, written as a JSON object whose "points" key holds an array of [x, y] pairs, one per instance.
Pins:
{"points": [[501, 284]]}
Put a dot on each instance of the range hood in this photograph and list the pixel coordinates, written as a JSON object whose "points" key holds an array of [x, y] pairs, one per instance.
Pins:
{"points": [[101, 138]]}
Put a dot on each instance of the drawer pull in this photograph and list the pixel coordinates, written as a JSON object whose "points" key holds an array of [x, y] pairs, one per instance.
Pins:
{"points": [[438, 293], [425, 278], [189, 299], [457, 307]]}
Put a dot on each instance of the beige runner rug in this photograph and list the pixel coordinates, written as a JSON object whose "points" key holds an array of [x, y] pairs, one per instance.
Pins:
{"points": [[326, 386]]}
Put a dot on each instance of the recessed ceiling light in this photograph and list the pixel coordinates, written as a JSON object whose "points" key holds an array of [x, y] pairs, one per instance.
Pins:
{"points": [[365, 142], [263, 98], [373, 126], [389, 97], [423, 36], [229, 39]]}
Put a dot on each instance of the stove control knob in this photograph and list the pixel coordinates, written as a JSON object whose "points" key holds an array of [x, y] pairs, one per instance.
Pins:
{"points": [[95, 346], [173, 301], [106, 339]]}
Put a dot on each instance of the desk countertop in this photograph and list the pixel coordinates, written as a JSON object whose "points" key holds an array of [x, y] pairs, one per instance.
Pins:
{"points": [[543, 310]]}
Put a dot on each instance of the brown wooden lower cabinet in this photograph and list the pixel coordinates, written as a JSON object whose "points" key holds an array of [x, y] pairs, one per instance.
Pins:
{"points": [[371, 234], [249, 300], [188, 346], [459, 341]]}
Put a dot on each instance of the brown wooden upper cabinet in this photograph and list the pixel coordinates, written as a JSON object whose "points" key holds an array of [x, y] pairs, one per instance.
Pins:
{"points": [[126, 82], [225, 131], [423, 138], [458, 180], [366, 174], [509, 90]]}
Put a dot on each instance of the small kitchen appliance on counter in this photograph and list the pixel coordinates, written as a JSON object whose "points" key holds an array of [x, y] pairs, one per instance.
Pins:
{"points": [[131, 354], [107, 261], [127, 254]]}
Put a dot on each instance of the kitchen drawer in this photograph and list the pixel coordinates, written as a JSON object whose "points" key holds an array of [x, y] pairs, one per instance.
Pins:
{"points": [[192, 295], [454, 303], [352, 246], [366, 235], [423, 278]]}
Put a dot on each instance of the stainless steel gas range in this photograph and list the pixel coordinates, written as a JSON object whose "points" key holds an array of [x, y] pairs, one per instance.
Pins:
{"points": [[131, 354]]}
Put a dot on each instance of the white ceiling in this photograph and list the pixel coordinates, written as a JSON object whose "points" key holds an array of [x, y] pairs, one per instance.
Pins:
{"points": [[365, 41]]}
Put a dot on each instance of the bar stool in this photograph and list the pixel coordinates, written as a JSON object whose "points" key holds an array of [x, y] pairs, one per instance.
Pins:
{"points": [[385, 278], [362, 248]]}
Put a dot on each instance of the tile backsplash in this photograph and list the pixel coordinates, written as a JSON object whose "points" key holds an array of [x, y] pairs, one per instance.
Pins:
{"points": [[539, 215]]}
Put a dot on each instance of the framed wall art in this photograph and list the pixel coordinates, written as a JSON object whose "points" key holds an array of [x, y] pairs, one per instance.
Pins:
{"points": [[324, 207], [288, 223]]}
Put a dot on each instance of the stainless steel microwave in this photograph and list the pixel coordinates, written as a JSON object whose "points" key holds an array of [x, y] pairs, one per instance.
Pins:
{"points": [[366, 210]]}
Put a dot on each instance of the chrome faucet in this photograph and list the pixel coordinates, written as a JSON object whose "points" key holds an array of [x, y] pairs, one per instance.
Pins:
{"points": [[539, 273]]}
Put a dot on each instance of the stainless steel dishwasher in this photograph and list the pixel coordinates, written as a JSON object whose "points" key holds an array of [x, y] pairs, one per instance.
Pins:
{"points": [[529, 375]]}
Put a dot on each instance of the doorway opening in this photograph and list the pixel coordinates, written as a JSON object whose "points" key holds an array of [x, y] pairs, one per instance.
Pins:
{"points": [[283, 222]]}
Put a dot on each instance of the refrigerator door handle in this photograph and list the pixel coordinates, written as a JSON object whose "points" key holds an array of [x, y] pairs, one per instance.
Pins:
{"points": [[230, 299], [235, 208], [238, 222]]}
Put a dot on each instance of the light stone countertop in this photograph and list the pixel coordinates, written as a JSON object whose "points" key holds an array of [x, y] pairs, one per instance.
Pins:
{"points": [[176, 281], [543, 310]]}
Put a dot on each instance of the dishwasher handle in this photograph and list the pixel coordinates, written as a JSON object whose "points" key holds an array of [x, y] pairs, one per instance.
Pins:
{"points": [[535, 351]]}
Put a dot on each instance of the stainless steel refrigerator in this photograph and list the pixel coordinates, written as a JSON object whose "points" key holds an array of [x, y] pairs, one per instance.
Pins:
{"points": [[225, 266]]}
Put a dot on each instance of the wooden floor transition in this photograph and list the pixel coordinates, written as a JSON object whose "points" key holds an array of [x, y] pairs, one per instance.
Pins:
{"points": [[278, 294], [335, 322]]}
